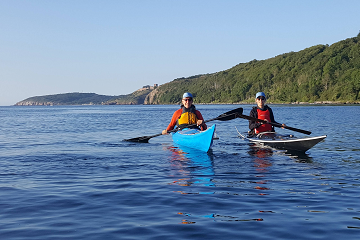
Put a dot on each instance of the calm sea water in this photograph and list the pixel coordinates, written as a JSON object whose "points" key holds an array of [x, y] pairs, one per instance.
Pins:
{"points": [[65, 173]]}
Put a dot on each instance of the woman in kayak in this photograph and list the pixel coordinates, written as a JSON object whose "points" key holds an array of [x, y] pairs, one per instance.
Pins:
{"points": [[263, 112], [186, 115]]}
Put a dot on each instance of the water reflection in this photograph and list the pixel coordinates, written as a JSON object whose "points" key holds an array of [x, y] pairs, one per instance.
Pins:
{"points": [[299, 156], [194, 170], [261, 161], [191, 168], [262, 152], [261, 164]]}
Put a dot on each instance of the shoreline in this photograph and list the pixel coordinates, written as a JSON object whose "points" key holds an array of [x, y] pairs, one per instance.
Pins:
{"points": [[291, 103], [318, 103]]}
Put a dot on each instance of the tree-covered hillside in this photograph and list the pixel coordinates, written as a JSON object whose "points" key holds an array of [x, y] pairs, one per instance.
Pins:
{"points": [[318, 73], [66, 99]]}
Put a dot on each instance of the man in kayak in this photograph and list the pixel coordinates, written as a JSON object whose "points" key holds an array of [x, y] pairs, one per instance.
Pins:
{"points": [[186, 115], [263, 112]]}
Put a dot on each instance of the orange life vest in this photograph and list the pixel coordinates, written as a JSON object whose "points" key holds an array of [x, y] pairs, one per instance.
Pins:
{"points": [[263, 127], [188, 117]]}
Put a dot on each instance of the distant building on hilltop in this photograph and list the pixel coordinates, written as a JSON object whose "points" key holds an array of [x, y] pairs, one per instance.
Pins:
{"points": [[148, 87]]}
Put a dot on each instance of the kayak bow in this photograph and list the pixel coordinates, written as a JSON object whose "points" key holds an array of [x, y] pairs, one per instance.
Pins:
{"points": [[194, 138]]}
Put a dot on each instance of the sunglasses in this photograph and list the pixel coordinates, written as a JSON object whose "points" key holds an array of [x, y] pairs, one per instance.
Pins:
{"points": [[188, 99], [261, 98]]}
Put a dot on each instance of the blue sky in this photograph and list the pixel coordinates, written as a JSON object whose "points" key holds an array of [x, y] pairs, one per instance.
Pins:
{"points": [[116, 47]]}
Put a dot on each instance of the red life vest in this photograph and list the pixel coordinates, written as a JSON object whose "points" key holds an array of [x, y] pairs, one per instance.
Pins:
{"points": [[263, 127]]}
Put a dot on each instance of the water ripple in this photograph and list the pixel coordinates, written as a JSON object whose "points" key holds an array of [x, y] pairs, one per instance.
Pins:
{"points": [[65, 173]]}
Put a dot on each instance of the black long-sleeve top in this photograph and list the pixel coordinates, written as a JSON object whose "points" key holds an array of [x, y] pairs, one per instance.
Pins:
{"points": [[253, 113]]}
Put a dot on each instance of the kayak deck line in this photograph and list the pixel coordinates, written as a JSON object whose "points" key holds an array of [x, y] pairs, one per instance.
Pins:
{"points": [[290, 140], [285, 142]]}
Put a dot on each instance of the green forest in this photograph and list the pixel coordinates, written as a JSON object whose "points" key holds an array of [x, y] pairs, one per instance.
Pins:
{"points": [[318, 73]]}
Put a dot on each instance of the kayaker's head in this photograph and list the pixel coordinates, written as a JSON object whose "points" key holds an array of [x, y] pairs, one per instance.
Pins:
{"points": [[187, 100], [260, 99]]}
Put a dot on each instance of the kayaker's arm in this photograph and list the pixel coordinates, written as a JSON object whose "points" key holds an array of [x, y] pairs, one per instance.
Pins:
{"points": [[174, 118], [253, 124], [200, 121], [172, 123]]}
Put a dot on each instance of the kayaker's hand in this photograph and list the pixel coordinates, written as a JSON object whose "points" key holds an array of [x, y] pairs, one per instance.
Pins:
{"points": [[164, 132], [199, 122], [283, 125], [265, 121]]}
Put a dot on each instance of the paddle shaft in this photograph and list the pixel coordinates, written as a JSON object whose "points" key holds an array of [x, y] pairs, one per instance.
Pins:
{"points": [[273, 124], [147, 138], [223, 117], [194, 125]]}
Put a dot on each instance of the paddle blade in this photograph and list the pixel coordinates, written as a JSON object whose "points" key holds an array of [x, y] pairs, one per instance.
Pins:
{"points": [[230, 115], [143, 139], [237, 110]]}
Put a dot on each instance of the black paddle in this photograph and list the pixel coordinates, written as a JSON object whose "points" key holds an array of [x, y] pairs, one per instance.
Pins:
{"points": [[223, 117], [274, 124]]}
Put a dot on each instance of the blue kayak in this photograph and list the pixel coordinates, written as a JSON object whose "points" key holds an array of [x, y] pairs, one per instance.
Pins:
{"points": [[194, 138]]}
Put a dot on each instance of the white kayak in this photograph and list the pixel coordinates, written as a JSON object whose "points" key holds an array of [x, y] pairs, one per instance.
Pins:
{"points": [[286, 142]]}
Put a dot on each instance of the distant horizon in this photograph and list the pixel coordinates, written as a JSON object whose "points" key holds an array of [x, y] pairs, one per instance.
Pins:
{"points": [[116, 47], [155, 85]]}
